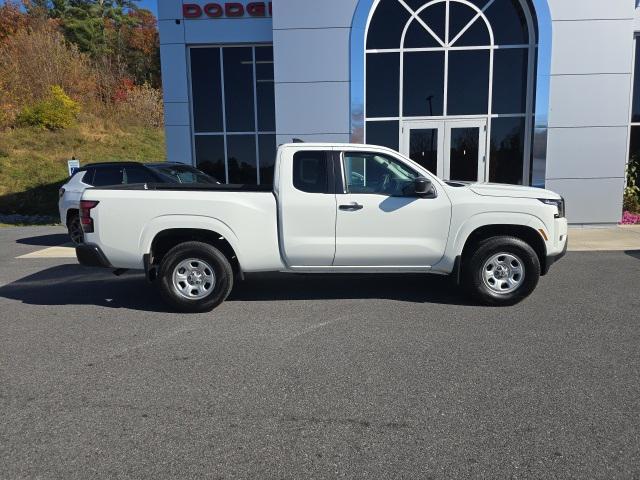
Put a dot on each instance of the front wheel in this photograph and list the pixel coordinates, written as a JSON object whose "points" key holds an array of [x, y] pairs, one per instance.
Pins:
{"points": [[501, 271], [195, 277]]}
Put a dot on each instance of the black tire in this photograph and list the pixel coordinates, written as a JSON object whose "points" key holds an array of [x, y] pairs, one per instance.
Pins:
{"points": [[483, 253], [74, 228], [208, 255]]}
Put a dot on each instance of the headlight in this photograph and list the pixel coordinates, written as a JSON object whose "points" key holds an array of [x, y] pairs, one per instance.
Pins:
{"points": [[559, 204]]}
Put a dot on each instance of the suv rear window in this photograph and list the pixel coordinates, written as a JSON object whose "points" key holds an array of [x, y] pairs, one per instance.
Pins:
{"points": [[108, 176], [311, 172]]}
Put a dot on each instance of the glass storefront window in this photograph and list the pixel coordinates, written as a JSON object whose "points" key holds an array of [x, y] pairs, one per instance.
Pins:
{"points": [[241, 158], [232, 92], [210, 155], [206, 89], [267, 149], [238, 89], [511, 21], [507, 150], [384, 133], [423, 84], [459, 17], [383, 83], [510, 80], [635, 114], [438, 54], [468, 82], [634, 137], [264, 89], [435, 17], [386, 25]]}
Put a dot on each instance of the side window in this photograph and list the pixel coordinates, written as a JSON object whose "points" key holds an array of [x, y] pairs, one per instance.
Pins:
{"points": [[138, 175], [108, 176], [376, 174], [311, 172]]}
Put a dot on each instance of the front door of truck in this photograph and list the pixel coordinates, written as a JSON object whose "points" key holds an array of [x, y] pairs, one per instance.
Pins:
{"points": [[377, 225], [307, 207]]}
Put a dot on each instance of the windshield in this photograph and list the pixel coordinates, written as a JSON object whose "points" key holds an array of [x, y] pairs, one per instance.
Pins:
{"points": [[183, 174]]}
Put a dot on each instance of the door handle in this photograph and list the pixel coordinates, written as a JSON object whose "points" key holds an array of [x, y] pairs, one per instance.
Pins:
{"points": [[352, 207]]}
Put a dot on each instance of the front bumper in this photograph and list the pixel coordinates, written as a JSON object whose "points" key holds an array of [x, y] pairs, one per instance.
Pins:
{"points": [[90, 255], [551, 259]]}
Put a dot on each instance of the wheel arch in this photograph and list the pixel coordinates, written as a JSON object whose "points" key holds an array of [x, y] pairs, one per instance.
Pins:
{"points": [[525, 233], [166, 239]]}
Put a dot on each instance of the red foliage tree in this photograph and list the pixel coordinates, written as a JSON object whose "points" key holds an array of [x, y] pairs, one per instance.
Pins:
{"points": [[12, 19]]}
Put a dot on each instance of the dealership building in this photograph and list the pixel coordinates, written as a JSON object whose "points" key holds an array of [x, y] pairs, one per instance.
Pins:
{"points": [[532, 92]]}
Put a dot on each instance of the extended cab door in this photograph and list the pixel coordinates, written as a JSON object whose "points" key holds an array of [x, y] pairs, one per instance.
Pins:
{"points": [[377, 225], [305, 189]]}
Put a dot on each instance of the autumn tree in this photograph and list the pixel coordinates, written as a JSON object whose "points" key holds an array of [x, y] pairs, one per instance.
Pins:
{"points": [[12, 20]]}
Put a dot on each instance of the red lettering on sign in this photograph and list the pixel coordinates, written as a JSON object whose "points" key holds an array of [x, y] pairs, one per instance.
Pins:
{"points": [[230, 9], [191, 10], [213, 10], [256, 9], [234, 9]]}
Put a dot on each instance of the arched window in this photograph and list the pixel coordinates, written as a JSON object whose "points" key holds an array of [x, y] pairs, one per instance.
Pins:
{"points": [[446, 80]]}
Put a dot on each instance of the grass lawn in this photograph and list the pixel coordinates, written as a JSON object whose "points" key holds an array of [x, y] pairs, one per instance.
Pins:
{"points": [[33, 162]]}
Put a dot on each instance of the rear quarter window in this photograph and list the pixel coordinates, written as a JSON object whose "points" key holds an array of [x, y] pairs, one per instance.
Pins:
{"points": [[85, 176], [311, 172]]}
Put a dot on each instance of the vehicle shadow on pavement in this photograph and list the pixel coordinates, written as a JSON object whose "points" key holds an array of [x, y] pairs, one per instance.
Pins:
{"points": [[52, 240], [633, 253], [77, 285], [415, 288]]}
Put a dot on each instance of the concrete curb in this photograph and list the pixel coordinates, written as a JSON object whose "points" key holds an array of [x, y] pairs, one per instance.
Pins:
{"points": [[618, 238]]}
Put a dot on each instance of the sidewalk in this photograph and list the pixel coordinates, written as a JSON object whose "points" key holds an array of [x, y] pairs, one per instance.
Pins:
{"points": [[625, 237]]}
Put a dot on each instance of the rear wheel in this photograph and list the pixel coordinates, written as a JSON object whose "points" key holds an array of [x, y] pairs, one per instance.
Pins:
{"points": [[74, 227], [501, 271], [195, 277]]}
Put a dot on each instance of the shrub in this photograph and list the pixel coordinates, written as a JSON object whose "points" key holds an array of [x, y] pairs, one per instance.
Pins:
{"points": [[629, 218], [55, 112], [33, 60], [632, 189], [6, 115], [139, 105]]}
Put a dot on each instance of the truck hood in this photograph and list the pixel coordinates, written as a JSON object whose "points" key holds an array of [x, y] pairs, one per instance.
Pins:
{"points": [[513, 191]]}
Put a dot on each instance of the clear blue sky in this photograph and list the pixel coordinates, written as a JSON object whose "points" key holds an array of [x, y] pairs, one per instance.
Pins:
{"points": [[150, 5]]}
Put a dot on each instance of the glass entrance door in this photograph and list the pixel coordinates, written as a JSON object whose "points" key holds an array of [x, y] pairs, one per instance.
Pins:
{"points": [[451, 149], [465, 148]]}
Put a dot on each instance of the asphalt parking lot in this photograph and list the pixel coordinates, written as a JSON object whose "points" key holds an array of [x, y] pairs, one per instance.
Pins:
{"points": [[305, 377]]}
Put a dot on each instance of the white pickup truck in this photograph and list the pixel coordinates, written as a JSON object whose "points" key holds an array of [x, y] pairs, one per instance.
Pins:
{"points": [[334, 208]]}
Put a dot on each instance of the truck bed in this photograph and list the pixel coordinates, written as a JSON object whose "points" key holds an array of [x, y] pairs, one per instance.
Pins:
{"points": [[129, 217]]}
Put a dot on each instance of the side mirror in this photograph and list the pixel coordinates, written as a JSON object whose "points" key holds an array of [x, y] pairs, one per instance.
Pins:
{"points": [[422, 186]]}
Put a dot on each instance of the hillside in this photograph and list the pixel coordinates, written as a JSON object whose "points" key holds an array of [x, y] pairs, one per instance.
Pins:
{"points": [[77, 79], [33, 161]]}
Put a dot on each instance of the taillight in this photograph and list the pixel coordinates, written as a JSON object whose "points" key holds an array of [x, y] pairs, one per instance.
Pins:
{"points": [[61, 192], [85, 215]]}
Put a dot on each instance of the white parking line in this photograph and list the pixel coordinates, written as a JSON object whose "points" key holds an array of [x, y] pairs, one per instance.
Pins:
{"points": [[62, 251]]}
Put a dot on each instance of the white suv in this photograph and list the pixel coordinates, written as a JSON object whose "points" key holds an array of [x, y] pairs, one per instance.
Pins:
{"points": [[118, 173]]}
